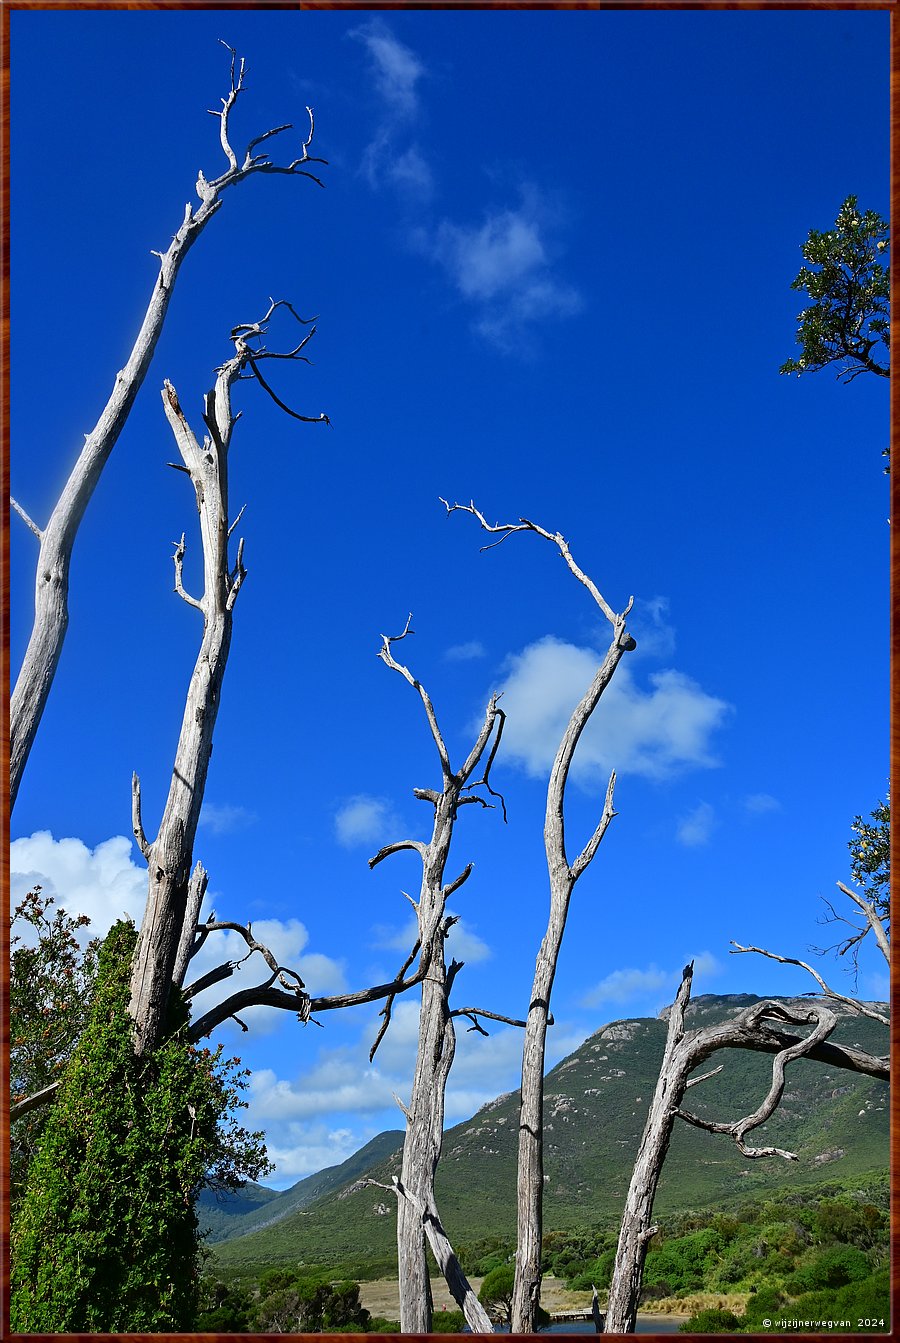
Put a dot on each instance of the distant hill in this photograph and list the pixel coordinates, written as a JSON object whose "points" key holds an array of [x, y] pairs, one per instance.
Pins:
{"points": [[255, 1207], [595, 1105]]}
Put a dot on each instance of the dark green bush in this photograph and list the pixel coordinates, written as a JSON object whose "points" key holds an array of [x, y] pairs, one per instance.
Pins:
{"points": [[105, 1238], [713, 1321]]}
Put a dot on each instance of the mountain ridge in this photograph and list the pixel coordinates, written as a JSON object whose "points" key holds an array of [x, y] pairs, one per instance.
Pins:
{"points": [[595, 1103]]}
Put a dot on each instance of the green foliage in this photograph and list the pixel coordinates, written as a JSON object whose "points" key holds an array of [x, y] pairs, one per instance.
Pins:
{"points": [[496, 1293], [834, 1266], [681, 1265], [847, 322], [50, 986], [446, 1322], [293, 1302], [870, 857], [713, 1321], [859, 1224], [105, 1238], [222, 1309]]}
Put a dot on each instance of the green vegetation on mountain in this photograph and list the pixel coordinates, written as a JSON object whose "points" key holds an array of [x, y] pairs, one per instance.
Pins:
{"points": [[255, 1207], [595, 1106]]}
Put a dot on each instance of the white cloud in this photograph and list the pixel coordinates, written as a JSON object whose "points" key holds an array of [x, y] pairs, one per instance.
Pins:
{"points": [[463, 942], [623, 986], [502, 265], [697, 826], [757, 804], [396, 71], [363, 820], [655, 732], [650, 626], [483, 261], [466, 652], [411, 172], [223, 819], [287, 941], [396, 68], [465, 945], [102, 882], [304, 1149]]}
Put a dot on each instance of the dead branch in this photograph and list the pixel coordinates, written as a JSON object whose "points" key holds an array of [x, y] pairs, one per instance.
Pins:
{"points": [[853, 1003], [506, 529], [563, 876], [825, 1021], [58, 537], [32, 526], [18, 1109], [388, 659]]}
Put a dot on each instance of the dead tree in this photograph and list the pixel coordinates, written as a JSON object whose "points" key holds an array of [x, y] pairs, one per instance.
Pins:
{"points": [[56, 538], [563, 876], [685, 1050], [165, 928], [417, 1215]]}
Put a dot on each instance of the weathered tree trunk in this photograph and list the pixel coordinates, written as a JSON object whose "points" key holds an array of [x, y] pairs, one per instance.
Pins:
{"points": [[170, 856], [637, 1229], [417, 1216], [56, 540], [684, 1051], [530, 1182], [563, 876]]}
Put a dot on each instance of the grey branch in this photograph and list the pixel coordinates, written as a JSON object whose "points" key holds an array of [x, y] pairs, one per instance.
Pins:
{"points": [[25, 518], [388, 659], [587, 854], [506, 529], [872, 919], [825, 1022], [178, 558], [28, 1103], [136, 822], [58, 537], [862, 1008]]}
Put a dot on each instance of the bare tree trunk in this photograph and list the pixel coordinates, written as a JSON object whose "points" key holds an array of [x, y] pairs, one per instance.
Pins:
{"points": [[684, 1051], [416, 1207], [563, 876], [56, 540], [637, 1228], [170, 856]]}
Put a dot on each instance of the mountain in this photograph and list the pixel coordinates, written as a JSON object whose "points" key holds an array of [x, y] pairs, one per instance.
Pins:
{"points": [[255, 1207], [595, 1104]]}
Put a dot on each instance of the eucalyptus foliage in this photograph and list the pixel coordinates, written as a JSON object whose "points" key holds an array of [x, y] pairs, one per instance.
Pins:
{"points": [[870, 857], [105, 1238], [847, 280], [50, 986]]}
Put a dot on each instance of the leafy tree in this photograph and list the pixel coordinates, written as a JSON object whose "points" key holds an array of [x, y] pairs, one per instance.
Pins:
{"points": [[50, 986], [847, 322], [291, 1302], [870, 857], [496, 1293], [106, 1238]]}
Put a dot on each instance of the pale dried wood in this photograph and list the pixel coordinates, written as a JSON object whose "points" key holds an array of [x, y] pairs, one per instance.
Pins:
{"points": [[57, 538]]}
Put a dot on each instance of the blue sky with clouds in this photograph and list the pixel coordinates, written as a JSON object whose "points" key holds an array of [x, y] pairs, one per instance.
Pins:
{"points": [[552, 266]]}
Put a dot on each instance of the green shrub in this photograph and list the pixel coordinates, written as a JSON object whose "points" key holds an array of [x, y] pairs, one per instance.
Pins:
{"points": [[713, 1321], [834, 1266], [447, 1322], [105, 1238]]}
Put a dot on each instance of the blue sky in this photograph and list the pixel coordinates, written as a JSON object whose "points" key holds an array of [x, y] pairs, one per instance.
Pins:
{"points": [[552, 266]]}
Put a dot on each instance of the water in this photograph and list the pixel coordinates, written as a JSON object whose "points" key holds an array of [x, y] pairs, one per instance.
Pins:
{"points": [[646, 1324]]}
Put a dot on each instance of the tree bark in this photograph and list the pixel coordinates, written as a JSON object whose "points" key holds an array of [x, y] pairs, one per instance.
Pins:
{"points": [[57, 538], [170, 856], [416, 1208], [685, 1051]]}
